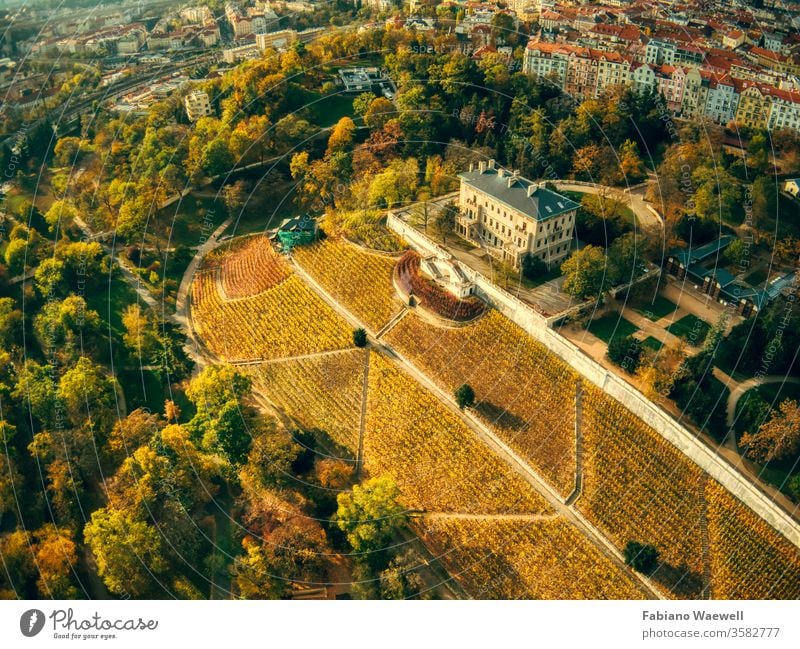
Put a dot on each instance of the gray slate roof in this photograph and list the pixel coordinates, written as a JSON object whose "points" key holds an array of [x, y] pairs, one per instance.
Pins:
{"points": [[541, 205]]}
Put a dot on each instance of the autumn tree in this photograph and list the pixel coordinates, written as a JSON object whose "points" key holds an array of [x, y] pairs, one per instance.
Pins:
{"points": [[778, 438]]}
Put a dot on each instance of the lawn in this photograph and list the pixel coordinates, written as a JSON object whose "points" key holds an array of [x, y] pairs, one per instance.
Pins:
{"points": [[626, 214], [330, 109], [652, 343], [659, 308], [608, 326], [691, 328]]}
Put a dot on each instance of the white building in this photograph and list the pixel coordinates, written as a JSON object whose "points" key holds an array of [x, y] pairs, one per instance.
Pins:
{"points": [[197, 105], [513, 217]]}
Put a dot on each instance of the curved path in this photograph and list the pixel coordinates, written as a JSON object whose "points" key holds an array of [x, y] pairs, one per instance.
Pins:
{"points": [[742, 388], [633, 197]]}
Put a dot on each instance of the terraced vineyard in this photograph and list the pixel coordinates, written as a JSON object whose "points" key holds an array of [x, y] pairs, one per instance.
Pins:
{"points": [[360, 280], [252, 267], [431, 454], [320, 392], [523, 392], [538, 559], [287, 320], [749, 559], [637, 486]]}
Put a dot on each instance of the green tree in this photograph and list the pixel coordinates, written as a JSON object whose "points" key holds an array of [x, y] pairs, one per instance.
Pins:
{"points": [[778, 438], [360, 337], [49, 277], [88, 394], [585, 272], [216, 385], [626, 352], [465, 396], [60, 216], [641, 557], [370, 515], [128, 552]]}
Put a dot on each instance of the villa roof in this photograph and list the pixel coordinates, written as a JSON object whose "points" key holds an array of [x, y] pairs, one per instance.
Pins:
{"points": [[520, 194]]}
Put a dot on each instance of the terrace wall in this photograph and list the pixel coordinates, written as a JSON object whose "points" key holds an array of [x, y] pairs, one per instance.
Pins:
{"points": [[615, 386]]}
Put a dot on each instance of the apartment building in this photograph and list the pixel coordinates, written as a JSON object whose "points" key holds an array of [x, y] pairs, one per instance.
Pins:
{"points": [[197, 105], [512, 217]]}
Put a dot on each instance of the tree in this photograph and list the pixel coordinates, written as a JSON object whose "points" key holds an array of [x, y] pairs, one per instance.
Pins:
{"points": [[128, 552], [778, 438], [216, 385], [61, 215], [10, 323], [444, 221], [370, 515], [56, 559], [216, 158], [533, 267], [584, 272], [641, 557], [765, 202], [235, 195], [360, 337], [465, 396], [625, 351], [87, 394], [623, 260], [380, 111], [341, 137], [49, 277]]}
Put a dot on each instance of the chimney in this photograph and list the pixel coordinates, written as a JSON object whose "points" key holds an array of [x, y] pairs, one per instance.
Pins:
{"points": [[482, 166], [501, 173], [472, 166], [491, 163], [512, 178], [531, 188]]}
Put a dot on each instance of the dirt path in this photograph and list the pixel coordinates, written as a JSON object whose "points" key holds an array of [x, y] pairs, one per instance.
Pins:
{"points": [[487, 436]]}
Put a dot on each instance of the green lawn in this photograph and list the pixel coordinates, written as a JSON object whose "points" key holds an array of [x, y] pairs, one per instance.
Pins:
{"points": [[330, 109], [611, 325], [657, 309], [184, 224], [652, 343], [691, 328], [626, 214]]}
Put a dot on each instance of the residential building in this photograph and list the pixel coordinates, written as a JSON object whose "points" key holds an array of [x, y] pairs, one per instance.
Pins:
{"points": [[197, 105], [512, 217]]}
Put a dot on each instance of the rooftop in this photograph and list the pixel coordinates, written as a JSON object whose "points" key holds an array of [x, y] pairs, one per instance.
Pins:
{"points": [[520, 194]]}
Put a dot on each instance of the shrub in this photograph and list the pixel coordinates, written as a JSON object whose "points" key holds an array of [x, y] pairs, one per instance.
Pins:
{"points": [[625, 351], [533, 267]]}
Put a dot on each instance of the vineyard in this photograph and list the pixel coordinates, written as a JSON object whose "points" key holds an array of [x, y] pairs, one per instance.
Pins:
{"points": [[523, 392], [431, 454], [432, 296], [749, 560], [287, 320], [360, 280], [252, 267], [639, 487], [320, 392], [539, 559]]}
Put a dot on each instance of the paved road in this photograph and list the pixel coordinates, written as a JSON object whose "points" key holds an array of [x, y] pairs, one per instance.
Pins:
{"points": [[740, 389], [634, 198]]}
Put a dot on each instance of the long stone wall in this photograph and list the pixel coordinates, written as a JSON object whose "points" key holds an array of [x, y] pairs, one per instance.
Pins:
{"points": [[536, 325]]}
